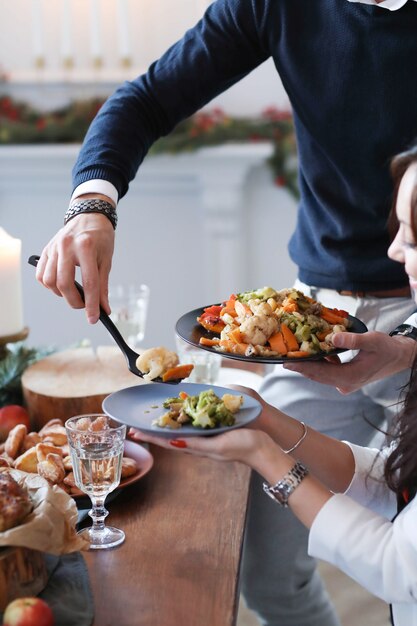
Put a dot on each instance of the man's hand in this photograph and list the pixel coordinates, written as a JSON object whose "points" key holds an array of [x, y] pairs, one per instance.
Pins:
{"points": [[86, 241], [380, 356]]}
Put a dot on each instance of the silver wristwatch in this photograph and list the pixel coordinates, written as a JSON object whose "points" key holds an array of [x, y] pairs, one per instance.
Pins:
{"points": [[281, 491], [405, 330]]}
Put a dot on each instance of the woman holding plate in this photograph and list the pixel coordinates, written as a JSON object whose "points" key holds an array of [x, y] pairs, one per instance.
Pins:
{"points": [[357, 502]]}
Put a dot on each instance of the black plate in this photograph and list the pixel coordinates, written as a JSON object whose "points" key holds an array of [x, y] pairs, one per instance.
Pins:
{"points": [[191, 331]]}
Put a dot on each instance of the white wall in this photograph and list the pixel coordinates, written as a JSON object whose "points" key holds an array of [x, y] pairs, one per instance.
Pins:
{"points": [[192, 241]]}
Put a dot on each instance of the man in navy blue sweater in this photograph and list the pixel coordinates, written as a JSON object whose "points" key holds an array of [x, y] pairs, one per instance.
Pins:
{"points": [[349, 69]]}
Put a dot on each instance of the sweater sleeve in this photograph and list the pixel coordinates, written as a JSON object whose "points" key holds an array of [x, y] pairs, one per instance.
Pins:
{"points": [[222, 48], [353, 532]]}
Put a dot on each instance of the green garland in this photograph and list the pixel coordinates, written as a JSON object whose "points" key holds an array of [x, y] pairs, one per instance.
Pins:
{"points": [[22, 124], [14, 361]]}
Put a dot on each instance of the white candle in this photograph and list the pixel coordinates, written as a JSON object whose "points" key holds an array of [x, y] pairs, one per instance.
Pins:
{"points": [[37, 31], [95, 40], [123, 29], [66, 33], [11, 313]]}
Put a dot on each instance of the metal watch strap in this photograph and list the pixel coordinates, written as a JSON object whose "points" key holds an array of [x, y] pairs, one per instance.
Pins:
{"points": [[405, 330], [91, 205], [281, 491]]}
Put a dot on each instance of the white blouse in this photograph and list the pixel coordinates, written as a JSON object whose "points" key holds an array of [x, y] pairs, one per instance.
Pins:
{"points": [[354, 532]]}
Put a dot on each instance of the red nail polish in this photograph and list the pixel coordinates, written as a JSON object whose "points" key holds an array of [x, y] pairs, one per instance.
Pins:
{"points": [[178, 443]]}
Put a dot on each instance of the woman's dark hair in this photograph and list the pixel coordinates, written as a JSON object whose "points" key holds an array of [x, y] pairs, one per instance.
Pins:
{"points": [[399, 166], [401, 465]]}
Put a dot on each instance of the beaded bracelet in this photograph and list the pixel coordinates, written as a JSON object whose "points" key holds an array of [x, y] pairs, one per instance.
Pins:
{"points": [[91, 205]]}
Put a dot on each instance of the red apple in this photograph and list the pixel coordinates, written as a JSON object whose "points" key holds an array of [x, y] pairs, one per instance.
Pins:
{"points": [[10, 416], [28, 612]]}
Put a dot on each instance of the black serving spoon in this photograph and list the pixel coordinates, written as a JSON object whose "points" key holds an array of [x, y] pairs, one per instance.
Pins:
{"points": [[130, 355]]}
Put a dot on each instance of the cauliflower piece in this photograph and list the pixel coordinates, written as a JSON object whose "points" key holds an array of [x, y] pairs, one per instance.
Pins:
{"points": [[258, 328], [232, 402], [260, 308], [337, 328], [168, 420], [242, 310], [155, 361]]}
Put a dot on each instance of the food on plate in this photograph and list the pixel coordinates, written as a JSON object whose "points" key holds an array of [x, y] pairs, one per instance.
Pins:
{"points": [[47, 452], [162, 362], [271, 323], [15, 503], [28, 611], [205, 410], [10, 416], [129, 467]]}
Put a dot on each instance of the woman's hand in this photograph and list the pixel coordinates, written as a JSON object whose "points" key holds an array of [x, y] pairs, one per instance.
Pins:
{"points": [[241, 444], [380, 356], [87, 241]]}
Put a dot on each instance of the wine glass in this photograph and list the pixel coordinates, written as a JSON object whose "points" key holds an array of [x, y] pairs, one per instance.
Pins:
{"points": [[96, 446], [129, 307], [206, 364]]}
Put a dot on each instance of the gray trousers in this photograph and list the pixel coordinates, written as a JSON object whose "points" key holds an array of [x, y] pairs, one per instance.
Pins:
{"points": [[279, 580]]}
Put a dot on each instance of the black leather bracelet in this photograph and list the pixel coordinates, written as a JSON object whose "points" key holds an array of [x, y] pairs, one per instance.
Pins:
{"points": [[405, 330], [91, 205]]}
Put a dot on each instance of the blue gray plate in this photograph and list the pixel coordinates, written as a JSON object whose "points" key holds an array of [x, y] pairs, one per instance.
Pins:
{"points": [[140, 405]]}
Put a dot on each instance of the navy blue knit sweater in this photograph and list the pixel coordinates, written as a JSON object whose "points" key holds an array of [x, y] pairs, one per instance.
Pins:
{"points": [[350, 71]]}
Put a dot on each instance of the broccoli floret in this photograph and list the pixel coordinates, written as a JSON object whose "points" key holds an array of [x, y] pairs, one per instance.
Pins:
{"points": [[260, 294], [223, 416], [207, 410], [169, 401]]}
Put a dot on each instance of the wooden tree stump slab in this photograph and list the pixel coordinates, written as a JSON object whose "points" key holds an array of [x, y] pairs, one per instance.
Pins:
{"points": [[74, 382]]}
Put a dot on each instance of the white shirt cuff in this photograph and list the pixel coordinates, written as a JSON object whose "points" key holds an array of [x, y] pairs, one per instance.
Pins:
{"points": [[97, 186], [412, 320]]}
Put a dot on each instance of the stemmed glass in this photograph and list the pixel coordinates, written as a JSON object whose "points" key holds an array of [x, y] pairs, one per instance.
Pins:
{"points": [[96, 446], [129, 306]]}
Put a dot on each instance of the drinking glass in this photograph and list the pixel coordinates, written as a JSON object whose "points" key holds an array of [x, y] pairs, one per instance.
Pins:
{"points": [[96, 447], [129, 308], [206, 364]]}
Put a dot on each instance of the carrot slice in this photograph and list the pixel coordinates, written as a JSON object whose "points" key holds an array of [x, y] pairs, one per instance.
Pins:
{"points": [[332, 318], [236, 336], [234, 348], [297, 354], [230, 303], [229, 310], [205, 341], [180, 371], [289, 338], [211, 322], [277, 343], [213, 310]]}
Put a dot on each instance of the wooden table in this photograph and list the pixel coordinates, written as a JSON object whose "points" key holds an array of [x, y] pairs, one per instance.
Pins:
{"points": [[179, 566]]}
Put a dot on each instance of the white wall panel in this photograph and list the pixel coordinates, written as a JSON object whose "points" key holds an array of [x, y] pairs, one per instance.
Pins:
{"points": [[194, 227]]}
